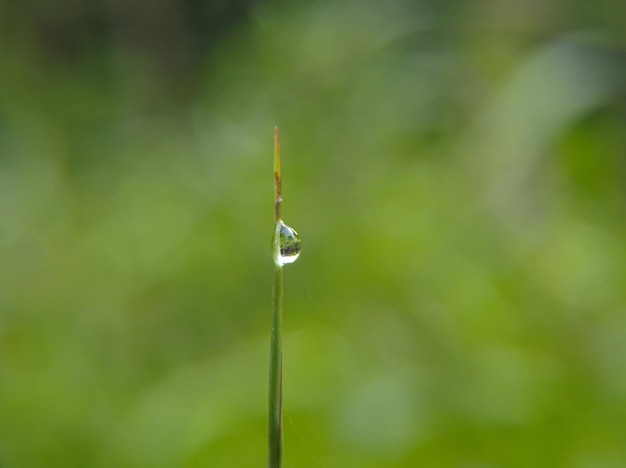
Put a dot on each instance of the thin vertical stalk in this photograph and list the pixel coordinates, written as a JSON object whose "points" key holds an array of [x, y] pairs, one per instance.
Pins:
{"points": [[276, 375], [276, 345], [278, 177]]}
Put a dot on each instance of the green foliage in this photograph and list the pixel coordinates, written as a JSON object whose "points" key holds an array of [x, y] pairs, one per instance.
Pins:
{"points": [[459, 175]]}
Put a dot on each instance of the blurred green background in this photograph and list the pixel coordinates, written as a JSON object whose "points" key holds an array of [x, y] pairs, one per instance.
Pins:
{"points": [[457, 172]]}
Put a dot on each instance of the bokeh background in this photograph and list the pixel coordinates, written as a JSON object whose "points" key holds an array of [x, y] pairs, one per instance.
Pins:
{"points": [[457, 171]]}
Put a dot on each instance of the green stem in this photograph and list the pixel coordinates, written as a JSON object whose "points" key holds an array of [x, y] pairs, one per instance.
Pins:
{"points": [[276, 345], [276, 374]]}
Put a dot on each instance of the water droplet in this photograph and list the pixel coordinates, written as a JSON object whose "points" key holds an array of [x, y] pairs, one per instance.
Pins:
{"points": [[289, 244]]}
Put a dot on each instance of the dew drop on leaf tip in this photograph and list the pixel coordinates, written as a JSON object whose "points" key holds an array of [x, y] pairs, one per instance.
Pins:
{"points": [[289, 244]]}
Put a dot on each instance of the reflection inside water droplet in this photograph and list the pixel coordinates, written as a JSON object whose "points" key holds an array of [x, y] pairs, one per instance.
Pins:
{"points": [[289, 244]]}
